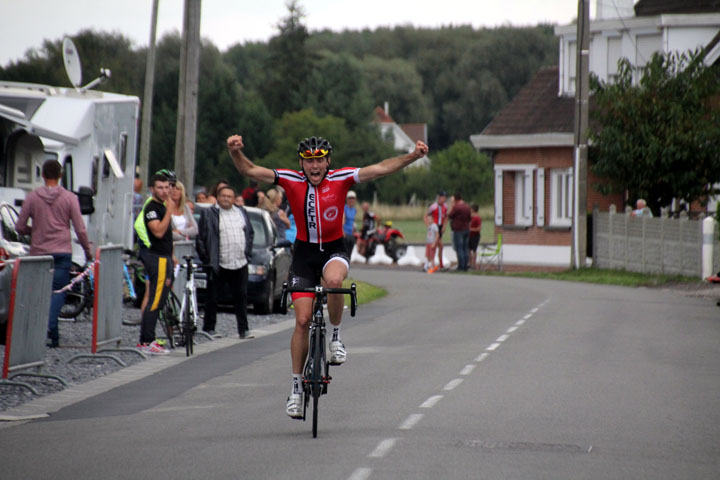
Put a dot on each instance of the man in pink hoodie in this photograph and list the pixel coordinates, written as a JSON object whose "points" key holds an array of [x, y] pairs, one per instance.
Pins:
{"points": [[52, 210]]}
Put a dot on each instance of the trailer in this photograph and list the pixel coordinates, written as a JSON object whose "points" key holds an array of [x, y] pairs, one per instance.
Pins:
{"points": [[92, 134]]}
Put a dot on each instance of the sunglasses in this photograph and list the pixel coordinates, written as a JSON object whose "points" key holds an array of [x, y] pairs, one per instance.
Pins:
{"points": [[317, 153]]}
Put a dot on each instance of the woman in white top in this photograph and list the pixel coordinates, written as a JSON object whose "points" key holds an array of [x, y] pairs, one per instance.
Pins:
{"points": [[184, 226]]}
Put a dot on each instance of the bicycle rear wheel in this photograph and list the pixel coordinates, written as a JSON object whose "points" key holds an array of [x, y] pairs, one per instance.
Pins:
{"points": [[187, 331], [170, 317], [78, 297]]}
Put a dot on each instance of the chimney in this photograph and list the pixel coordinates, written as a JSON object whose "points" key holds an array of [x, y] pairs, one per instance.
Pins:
{"points": [[387, 108]]}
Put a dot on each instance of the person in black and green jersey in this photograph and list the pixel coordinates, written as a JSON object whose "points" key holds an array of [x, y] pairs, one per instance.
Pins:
{"points": [[154, 229]]}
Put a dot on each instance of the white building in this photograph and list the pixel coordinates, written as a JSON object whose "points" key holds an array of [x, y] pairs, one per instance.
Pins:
{"points": [[657, 26]]}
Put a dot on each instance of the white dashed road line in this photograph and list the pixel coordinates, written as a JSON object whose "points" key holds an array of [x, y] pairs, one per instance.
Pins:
{"points": [[411, 421], [361, 474], [431, 402], [481, 357], [452, 384], [384, 447]]}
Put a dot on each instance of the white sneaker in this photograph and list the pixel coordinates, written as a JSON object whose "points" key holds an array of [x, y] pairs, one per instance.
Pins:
{"points": [[294, 406], [338, 355]]}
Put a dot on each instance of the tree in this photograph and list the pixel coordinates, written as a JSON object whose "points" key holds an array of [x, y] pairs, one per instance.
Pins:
{"points": [[399, 83], [288, 65], [658, 138]]}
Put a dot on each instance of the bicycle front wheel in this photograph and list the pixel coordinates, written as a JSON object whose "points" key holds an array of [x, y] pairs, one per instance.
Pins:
{"points": [[170, 317], [317, 375]]}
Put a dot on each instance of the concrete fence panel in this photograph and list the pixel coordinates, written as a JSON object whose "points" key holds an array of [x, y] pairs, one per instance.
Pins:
{"points": [[653, 245]]}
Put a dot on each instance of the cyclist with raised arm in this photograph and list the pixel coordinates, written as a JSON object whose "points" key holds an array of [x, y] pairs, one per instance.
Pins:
{"points": [[317, 196]]}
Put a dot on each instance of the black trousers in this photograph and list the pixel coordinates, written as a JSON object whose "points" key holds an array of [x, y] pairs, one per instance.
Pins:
{"points": [[159, 269], [236, 282]]}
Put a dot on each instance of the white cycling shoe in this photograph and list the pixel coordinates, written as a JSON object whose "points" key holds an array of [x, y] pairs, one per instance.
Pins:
{"points": [[294, 406], [338, 355]]}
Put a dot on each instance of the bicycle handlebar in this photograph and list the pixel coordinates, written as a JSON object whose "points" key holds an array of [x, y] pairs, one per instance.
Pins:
{"points": [[319, 291]]}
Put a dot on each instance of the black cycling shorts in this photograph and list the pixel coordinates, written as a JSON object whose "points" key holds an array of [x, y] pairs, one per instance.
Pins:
{"points": [[309, 262]]}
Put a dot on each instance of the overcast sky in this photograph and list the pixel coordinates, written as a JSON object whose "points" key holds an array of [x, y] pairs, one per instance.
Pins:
{"points": [[24, 24]]}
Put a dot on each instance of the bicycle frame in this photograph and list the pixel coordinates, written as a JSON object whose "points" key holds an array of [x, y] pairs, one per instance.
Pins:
{"points": [[188, 306]]}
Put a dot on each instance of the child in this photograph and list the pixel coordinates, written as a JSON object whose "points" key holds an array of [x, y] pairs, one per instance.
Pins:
{"points": [[430, 247], [475, 224]]}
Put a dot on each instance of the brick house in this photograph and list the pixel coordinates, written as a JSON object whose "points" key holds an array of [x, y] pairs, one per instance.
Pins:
{"points": [[531, 139]]}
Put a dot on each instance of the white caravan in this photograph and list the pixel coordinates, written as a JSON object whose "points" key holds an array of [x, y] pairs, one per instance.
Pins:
{"points": [[92, 134]]}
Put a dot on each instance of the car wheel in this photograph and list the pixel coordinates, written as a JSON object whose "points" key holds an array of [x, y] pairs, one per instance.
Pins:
{"points": [[266, 305]]}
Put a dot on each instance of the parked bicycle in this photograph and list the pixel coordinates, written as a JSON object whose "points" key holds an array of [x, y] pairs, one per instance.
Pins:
{"points": [[79, 298], [316, 373], [178, 318]]}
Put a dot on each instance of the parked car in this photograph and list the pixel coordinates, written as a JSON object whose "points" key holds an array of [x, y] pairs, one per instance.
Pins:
{"points": [[12, 245], [267, 269]]}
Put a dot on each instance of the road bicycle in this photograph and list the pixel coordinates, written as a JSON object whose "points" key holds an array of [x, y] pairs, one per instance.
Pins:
{"points": [[178, 318], [316, 374]]}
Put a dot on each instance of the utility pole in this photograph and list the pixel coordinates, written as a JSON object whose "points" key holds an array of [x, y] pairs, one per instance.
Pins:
{"points": [[146, 124], [579, 243], [188, 95]]}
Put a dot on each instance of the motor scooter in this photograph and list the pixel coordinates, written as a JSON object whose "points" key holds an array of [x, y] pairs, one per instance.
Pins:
{"points": [[390, 238]]}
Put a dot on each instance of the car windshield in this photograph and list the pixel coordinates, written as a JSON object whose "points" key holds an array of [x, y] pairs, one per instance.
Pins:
{"points": [[260, 238]]}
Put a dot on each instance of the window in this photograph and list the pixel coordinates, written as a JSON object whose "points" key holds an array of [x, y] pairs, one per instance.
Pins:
{"points": [[614, 49], [561, 197], [572, 65], [123, 151], [67, 178], [523, 197], [94, 175]]}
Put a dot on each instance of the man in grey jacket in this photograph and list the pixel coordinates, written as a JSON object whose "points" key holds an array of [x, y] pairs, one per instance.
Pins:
{"points": [[224, 241]]}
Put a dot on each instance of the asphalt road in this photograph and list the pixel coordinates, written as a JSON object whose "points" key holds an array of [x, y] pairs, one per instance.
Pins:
{"points": [[449, 376]]}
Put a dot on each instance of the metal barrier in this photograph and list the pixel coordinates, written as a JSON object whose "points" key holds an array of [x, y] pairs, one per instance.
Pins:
{"points": [[107, 305], [30, 292]]}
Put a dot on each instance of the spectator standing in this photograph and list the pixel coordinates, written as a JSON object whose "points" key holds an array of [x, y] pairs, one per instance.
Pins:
{"points": [[369, 227], [641, 209], [272, 201], [184, 225], [157, 258], [53, 209], [437, 213], [201, 197], [475, 226], [291, 233], [431, 248], [138, 196], [349, 221], [250, 194], [212, 196], [225, 243], [460, 217], [239, 201]]}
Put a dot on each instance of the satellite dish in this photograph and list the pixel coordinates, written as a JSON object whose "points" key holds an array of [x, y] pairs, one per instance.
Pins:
{"points": [[71, 59]]}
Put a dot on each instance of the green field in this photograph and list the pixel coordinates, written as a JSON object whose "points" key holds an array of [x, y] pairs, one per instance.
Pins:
{"points": [[414, 229]]}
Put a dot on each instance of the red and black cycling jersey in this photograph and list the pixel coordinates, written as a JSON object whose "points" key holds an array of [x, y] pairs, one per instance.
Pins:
{"points": [[318, 210]]}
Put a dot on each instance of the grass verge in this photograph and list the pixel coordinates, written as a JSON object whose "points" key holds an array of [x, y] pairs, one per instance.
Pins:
{"points": [[608, 277], [366, 292]]}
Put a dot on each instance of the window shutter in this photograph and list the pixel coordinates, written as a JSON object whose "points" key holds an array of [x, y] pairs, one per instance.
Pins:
{"points": [[540, 200], [498, 197]]}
